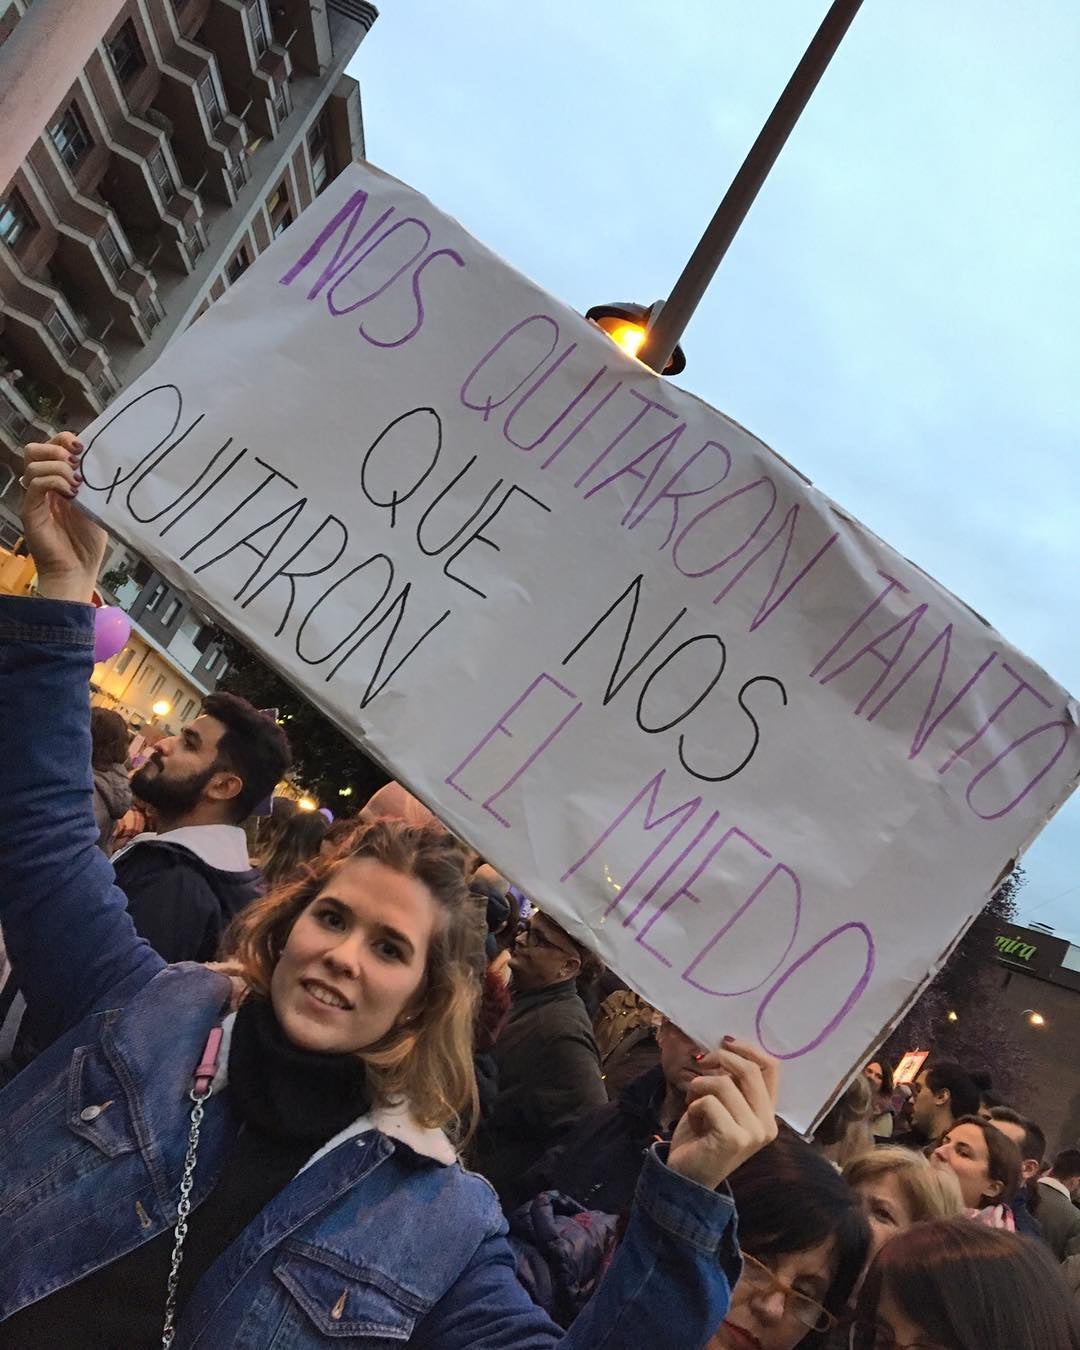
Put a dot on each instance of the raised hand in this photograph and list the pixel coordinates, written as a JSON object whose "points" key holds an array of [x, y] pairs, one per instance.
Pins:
{"points": [[730, 1113], [65, 544]]}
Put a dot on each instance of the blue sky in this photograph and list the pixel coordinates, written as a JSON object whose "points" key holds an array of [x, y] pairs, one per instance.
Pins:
{"points": [[898, 315]]}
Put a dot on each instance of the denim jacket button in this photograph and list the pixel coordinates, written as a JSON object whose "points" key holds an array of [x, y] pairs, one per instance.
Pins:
{"points": [[89, 1113]]}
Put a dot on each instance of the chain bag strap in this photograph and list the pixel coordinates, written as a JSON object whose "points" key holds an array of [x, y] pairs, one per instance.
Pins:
{"points": [[200, 1091]]}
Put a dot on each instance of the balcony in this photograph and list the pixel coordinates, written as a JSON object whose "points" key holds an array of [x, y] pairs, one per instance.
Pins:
{"points": [[62, 366], [207, 138]]}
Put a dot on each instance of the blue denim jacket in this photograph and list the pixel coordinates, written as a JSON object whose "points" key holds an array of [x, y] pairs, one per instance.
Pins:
{"points": [[376, 1242]]}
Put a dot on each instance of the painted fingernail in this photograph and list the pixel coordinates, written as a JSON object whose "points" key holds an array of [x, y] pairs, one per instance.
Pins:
{"points": [[699, 1058], [78, 478], [78, 447]]}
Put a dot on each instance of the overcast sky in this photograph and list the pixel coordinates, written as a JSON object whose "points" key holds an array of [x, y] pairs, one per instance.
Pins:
{"points": [[898, 316]]}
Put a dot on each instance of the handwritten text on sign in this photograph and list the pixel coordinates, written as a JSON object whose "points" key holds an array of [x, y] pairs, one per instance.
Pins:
{"points": [[765, 766]]}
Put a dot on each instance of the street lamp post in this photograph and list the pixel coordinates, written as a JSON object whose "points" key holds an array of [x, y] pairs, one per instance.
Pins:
{"points": [[670, 320]]}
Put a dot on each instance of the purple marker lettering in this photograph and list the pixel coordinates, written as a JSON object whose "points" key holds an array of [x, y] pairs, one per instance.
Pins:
{"points": [[417, 300], [892, 585], [1064, 728], [520, 343], [501, 727], [331, 302], [685, 888], [666, 493], [849, 1001], [349, 214], [768, 606], [680, 814], [778, 870], [576, 431], [665, 444], [770, 496], [1021, 686], [647, 405], [539, 383], [905, 627]]}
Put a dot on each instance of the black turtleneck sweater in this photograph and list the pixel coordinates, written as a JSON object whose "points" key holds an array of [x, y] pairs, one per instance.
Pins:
{"points": [[286, 1103]]}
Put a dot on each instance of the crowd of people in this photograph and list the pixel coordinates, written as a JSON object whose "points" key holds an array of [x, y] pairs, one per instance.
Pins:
{"points": [[342, 1084]]}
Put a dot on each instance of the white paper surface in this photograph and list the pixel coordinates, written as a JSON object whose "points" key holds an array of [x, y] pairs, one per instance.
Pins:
{"points": [[767, 768]]}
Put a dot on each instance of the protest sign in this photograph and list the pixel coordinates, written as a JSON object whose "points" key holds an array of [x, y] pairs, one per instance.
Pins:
{"points": [[767, 768]]}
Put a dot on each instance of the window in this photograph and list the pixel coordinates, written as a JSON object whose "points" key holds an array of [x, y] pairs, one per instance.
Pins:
{"points": [[171, 611], [189, 708], [212, 660], [149, 313], [211, 103], [113, 254], [282, 105], [15, 219], [70, 136], [239, 264], [124, 660], [279, 209], [257, 24], [125, 53], [156, 598], [62, 332], [104, 389], [238, 173], [162, 175], [203, 639], [156, 686]]}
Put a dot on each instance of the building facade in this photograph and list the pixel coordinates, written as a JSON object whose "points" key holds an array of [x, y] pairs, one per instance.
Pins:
{"points": [[193, 137], [1041, 985], [195, 134]]}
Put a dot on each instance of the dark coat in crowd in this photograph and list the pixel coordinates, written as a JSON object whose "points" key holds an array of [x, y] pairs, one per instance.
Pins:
{"points": [[549, 1077], [1059, 1220], [598, 1161], [183, 888], [560, 1252]]}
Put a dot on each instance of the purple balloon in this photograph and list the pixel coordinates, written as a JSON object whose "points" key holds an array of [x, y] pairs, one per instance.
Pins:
{"points": [[325, 811], [112, 628]]}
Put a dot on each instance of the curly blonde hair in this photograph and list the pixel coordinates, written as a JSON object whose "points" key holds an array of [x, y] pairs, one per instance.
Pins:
{"points": [[427, 1057]]}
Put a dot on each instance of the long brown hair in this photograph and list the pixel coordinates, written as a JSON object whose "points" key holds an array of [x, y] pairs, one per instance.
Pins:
{"points": [[970, 1287], [1002, 1159], [426, 1059]]}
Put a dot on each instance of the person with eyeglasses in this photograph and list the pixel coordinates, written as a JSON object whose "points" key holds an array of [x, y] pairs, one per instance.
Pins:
{"points": [[804, 1241], [951, 1284], [548, 1065]]}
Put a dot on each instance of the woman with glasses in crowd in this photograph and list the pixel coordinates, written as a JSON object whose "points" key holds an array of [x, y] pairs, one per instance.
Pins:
{"points": [[804, 1241]]}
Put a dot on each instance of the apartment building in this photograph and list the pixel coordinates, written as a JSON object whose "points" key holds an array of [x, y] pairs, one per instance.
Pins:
{"points": [[195, 134], [193, 137]]}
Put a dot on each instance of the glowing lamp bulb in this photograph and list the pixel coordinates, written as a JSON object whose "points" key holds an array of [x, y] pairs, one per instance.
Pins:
{"points": [[306, 804], [629, 336], [952, 1017], [161, 708], [1036, 1019]]}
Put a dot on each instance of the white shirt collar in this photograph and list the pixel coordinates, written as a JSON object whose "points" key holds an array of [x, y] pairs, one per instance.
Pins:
{"points": [[1056, 1185], [220, 846]]}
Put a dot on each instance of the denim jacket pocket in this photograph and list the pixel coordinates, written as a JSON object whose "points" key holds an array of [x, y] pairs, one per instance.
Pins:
{"points": [[346, 1301], [96, 1105]]}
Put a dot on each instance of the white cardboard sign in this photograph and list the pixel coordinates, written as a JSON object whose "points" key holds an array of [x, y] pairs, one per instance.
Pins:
{"points": [[766, 767]]}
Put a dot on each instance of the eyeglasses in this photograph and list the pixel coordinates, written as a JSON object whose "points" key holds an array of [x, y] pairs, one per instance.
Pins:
{"points": [[532, 937], [878, 1336], [802, 1307]]}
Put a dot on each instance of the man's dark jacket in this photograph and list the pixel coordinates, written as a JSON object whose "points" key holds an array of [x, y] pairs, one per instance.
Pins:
{"points": [[180, 901], [597, 1162], [549, 1077]]}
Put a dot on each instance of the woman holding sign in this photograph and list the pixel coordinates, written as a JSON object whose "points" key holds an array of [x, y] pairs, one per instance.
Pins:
{"points": [[195, 1164]]}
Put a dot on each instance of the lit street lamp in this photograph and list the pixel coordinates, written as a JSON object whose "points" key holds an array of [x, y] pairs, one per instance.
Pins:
{"points": [[667, 321], [627, 324], [162, 708]]}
